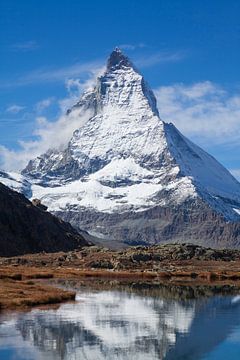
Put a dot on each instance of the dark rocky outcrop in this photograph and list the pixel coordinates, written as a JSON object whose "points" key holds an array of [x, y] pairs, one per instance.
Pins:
{"points": [[166, 257], [26, 228], [39, 205]]}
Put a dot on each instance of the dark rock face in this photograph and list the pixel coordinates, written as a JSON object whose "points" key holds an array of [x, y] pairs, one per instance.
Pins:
{"points": [[196, 222], [24, 228], [117, 59]]}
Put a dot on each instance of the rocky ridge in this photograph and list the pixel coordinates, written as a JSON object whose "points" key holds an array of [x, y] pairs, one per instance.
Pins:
{"points": [[26, 228], [151, 258]]}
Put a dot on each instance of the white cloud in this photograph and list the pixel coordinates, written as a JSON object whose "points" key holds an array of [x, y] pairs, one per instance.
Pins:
{"points": [[50, 135], [160, 57], [53, 75], [203, 111], [50, 75], [132, 46], [75, 87], [25, 46], [15, 109], [44, 104]]}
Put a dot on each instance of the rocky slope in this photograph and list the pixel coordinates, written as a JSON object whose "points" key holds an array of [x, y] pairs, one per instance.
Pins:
{"points": [[193, 263], [127, 176], [25, 228]]}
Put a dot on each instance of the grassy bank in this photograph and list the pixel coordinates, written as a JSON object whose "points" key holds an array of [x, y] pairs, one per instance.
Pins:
{"points": [[24, 288], [21, 290], [21, 277]]}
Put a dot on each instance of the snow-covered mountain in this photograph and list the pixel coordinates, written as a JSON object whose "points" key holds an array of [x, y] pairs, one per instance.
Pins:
{"points": [[16, 182], [128, 176]]}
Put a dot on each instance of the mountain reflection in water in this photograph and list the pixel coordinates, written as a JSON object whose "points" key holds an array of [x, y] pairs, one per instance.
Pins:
{"points": [[122, 325]]}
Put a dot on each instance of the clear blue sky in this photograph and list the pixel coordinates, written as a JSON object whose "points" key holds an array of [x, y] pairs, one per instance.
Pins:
{"points": [[176, 44]]}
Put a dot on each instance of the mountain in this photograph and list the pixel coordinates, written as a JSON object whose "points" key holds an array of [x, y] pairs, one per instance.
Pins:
{"points": [[25, 228], [16, 182], [127, 176]]}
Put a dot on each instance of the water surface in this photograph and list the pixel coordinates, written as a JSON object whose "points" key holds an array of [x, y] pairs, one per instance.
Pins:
{"points": [[114, 324]]}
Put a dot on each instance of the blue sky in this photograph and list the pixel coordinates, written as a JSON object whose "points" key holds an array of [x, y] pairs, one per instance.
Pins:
{"points": [[188, 51]]}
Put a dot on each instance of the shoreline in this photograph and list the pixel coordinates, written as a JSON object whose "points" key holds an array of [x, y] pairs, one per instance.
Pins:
{"points": [[23, 290], [22, 285], [25, 287]]}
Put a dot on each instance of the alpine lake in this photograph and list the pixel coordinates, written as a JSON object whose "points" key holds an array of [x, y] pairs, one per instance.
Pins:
{"points": [[120, 321]]}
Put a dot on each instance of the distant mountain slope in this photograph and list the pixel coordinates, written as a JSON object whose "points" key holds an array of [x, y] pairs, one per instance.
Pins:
{"points": [[24, 228], [16, 182], [127, 176]]}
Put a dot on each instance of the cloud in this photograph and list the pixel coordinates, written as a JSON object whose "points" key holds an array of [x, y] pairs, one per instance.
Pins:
{"points": [[160, 58], [25, 46], [87, 69], [15, 109], [132, 46], [44, 104], [203, 111], [54, 75], [75, 87], [49, 135]]}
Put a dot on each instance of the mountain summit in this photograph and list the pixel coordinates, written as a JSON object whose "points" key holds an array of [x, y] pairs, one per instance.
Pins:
{"points": [[128, 176], [118, 60]]}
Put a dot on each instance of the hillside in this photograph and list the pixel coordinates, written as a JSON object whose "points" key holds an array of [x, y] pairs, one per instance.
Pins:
{"points": [[25, 228]]}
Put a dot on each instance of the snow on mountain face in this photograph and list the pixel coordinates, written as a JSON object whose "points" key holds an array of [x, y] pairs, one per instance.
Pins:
{"points": [[126, 122], [125, 158], [212, 181], [16, 182]]}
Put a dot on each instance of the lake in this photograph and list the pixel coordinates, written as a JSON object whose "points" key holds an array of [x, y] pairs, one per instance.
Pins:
{"points": [[126, 324]]}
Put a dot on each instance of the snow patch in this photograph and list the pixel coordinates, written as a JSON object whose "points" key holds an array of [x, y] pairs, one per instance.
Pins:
{"points": [[93, 194], [237, 211], [122, 169]]}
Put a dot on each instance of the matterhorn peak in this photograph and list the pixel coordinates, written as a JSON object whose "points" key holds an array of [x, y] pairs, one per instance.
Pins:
{"points": [[117, 60], [126, 175], [122, 86]]}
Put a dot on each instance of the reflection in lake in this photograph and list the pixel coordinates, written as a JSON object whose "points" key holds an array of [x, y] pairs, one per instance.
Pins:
{"points": [[124, 325]]}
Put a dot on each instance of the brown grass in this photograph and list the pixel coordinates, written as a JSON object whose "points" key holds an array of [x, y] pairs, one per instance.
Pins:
{"points": [[106, 274], [18, 293], [21, 286]]}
